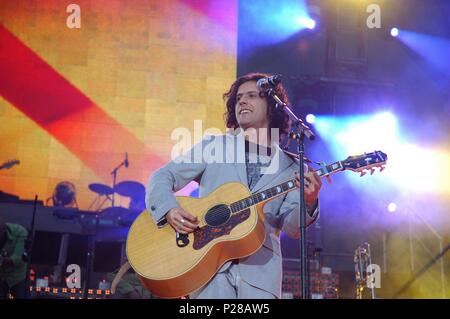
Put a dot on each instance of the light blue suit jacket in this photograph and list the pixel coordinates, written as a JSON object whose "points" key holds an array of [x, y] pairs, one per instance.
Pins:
{"points": [[263, 269]]}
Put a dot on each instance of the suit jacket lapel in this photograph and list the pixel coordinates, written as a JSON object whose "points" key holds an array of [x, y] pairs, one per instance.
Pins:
{"points": [[236, 151]]}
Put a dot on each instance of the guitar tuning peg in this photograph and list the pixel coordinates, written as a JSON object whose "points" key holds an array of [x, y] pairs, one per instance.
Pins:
{"points": [[362, 174], [382, 168], [372, 171]]}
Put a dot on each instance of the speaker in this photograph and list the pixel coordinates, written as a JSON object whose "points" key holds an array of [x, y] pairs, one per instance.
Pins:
{"points": [[108, 256], [46, 248]]}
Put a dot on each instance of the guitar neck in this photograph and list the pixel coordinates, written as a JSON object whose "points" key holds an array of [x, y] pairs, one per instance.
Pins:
{"points": [[281, 189]]}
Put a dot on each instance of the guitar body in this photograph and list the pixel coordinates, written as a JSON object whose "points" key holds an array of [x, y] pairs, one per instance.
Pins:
{"points": [[170, 268]]}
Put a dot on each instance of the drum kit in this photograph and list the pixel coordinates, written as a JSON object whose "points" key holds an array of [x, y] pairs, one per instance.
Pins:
{"points": [[133, 190]]}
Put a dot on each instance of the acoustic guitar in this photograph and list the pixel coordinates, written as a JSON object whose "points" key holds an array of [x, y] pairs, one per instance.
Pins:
{"points": [[231, 226]]}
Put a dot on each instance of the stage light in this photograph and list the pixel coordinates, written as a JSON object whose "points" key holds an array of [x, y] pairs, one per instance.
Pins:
{"points": [[271, 21], [64, 195], [392, 207], [307, 23], [358, 133], [310, 118], [365, 133], [394, 32], [435, 50]]}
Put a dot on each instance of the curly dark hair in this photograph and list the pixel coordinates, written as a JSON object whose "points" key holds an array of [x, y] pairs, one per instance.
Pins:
{"points": [[277, 117]]}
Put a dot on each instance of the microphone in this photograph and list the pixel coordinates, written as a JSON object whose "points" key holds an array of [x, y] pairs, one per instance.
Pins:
{"points": [[126, 163], [266, 84]]}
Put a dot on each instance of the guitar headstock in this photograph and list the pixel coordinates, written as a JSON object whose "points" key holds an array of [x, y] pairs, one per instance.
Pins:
{"points": [[9, 164], [365, 162]]}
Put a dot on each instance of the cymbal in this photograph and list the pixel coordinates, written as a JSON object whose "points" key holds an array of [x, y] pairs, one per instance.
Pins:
{"points": [[130, 189], [101, 189], [114, 212]]}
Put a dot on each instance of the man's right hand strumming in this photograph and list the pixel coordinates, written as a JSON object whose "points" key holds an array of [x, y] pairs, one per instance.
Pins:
{"points": [[181, 220]]}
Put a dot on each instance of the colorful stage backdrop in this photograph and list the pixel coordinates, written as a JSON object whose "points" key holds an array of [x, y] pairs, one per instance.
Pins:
{"points": [[74, 100]]}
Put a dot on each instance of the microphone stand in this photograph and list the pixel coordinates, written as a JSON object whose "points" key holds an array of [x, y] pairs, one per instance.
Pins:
{"points": [[114, 174], [90, 256], [298, 133], [28, 251]]}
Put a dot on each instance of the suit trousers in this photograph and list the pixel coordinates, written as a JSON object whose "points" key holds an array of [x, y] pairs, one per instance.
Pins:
{"points": [[229, 284]]}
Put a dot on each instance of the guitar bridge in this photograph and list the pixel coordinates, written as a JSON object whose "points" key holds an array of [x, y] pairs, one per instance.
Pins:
{"points": [[182, 240]]}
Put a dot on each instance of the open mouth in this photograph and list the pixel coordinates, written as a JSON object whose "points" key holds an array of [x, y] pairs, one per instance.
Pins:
{"points": [[244, 111]]}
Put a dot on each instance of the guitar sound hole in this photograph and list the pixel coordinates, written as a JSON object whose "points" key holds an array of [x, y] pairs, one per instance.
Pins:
{"points": [[217, 215]]}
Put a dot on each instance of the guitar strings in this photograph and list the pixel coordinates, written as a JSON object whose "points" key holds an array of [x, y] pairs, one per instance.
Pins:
{"points": [[270, 192], [242, 204]]}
